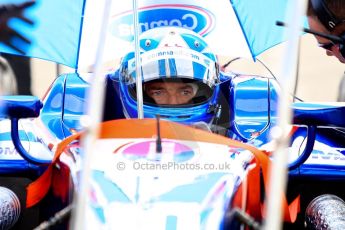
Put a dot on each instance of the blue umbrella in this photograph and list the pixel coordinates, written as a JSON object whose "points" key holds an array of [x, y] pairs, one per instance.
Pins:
{"points": [[55, 33], [257, 19], [60, 25]]}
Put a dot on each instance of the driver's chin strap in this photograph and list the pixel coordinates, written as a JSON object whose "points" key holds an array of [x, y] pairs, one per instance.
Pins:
{"points": [[146, 128]]}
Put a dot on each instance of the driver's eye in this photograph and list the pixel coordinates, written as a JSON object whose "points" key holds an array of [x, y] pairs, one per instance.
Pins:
{"points": [[186, 92], [156, 93]]}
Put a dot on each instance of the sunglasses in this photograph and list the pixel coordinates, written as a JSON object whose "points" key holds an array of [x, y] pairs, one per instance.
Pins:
{"points": [[327, 46]]}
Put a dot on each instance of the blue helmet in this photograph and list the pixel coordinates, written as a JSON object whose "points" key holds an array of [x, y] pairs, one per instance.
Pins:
{"points": [[172, 54]]}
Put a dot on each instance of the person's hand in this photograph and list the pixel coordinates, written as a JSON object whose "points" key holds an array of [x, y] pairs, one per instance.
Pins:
{"points": [[8, 34]]}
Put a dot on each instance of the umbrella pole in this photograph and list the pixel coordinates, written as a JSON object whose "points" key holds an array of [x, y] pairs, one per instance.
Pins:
{"points": [[91, 124], [280, 133], [138, 79]]}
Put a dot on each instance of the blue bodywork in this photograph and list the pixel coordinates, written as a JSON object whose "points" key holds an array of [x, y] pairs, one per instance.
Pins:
{"points": [[248, 112], [251, 103]]}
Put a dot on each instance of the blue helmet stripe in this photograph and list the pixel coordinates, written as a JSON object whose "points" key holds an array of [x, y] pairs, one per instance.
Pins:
{"points": [[161, 67], [199, 71], [172, 67]]}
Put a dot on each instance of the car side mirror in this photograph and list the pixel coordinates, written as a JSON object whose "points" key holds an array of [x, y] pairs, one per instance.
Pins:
{"points": [[313, 115], [18, 107]]}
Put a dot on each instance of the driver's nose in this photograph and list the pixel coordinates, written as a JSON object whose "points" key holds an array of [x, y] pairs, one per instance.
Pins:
{"points": [[173, 100]]}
